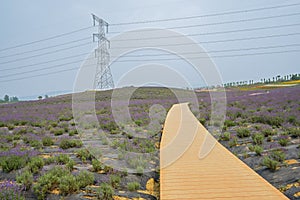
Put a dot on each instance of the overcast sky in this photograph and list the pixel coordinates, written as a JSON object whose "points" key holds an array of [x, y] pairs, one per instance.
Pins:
{"points": [[25, 21]]}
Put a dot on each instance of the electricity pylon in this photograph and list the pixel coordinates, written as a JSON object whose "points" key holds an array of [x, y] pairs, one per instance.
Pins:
{"points": [[103, 76]]}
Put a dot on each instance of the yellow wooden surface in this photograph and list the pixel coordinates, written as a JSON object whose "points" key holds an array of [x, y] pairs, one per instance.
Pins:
{"points": [[219, 175]]}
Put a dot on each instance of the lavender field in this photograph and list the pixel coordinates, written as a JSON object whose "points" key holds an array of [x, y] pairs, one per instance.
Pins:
{"points": [[43, 155]]}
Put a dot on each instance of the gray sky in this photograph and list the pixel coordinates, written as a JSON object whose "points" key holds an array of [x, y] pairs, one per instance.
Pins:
{"points": [[25, 21]]}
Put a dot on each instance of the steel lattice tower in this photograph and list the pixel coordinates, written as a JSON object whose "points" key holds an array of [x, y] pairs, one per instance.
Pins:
{"points": [[103, 76]]}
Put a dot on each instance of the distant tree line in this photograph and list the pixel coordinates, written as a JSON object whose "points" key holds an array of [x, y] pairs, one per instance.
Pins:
{"points": [[275, 79], [41, 97], [8, 99]]}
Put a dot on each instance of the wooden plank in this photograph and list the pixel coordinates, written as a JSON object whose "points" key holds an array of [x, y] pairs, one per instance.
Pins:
{"points": [[219, 175]]}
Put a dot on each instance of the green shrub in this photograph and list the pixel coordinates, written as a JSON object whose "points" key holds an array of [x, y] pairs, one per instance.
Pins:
{"points": [[68, 184], [258, 138], [51, 180], [114, 180], [278, 155], [57, 131], [9, 138], [137, 161], [10, 127], [233, 142], [268, 132], [73, 132], [121, 155], [21, 131], [274, 121], [2, 124], [67, 143], [294, 132], [243, 132], [269, 138], [37, 124], [271, 120], [85, 178], [64, 125], [257, 149], [109, 126], [50, 160], [26, 139], [229, 123], [66, 129], [140, 170], [36, 144], [133, 186], [107, 169], [245, 155], [84, 155], [97, 165], [35, 164], [115, 144], [13, 162], [292, 119], [72, 123], [62, 159], [65, 118], [138, 122], [70, 165], [270, 164], [47, 141], [202, 121], [105, 192], [53, 124], [226, 136], [25, 178], [283, 141]]}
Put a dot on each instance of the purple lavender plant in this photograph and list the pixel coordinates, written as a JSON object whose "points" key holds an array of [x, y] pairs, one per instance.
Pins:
{"points": [[10, 190]]}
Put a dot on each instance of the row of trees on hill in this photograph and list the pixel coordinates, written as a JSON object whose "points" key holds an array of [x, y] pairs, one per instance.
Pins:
{"points": [[275, 79], [8, 99], [291, 77], [12, 99]]}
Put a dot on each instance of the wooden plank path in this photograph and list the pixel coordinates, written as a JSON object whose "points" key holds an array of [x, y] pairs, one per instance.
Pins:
{"points": [[219, 175]]}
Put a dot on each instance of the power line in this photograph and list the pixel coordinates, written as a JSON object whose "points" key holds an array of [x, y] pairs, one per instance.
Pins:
{"points": [[197, 34], [229, 31], [168, 59], [41, 69], [201, 42], [218, 41], [161, 54], [48, 47], [198, 25], [46, 62], [47, 53], [206, 57], [46, 74], [176, 27], [161, 20], [192, 43], [207, 15], [45, 39], [233, 21], [216, 51], [241, 20], [39, 75]]}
